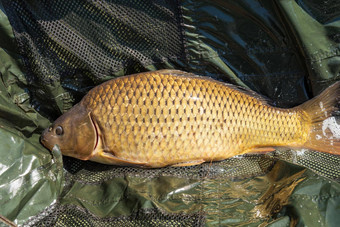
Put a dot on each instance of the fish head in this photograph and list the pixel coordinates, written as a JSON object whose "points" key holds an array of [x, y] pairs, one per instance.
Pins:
{"points": [[74, 132]]}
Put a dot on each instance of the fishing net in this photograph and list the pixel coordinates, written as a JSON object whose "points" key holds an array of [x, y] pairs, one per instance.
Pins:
{"points": [[81, 43], [64, 48]]}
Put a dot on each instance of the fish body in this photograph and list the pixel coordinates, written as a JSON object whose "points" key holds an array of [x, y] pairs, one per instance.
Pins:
{"points": [[170, 117]]}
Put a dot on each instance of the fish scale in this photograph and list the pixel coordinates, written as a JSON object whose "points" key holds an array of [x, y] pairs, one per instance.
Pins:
{"points": [[162, 108], [170, 117]]}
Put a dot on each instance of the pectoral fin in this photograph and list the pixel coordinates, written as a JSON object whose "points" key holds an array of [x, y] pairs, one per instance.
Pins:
{"points": [[190, 163], [107, 158]]}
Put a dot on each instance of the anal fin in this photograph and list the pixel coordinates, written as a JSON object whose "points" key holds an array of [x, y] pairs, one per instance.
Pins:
{"points": [[259, 150]]}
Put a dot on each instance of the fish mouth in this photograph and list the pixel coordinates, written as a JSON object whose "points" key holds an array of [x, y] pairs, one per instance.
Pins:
{"points": [[46, 143], [43, 139]]}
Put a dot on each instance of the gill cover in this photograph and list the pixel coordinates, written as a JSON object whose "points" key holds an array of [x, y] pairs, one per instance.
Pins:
{"points": [[74, 132]]}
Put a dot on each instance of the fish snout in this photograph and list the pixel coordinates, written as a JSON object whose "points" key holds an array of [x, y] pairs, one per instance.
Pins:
{"points": [[43, 138]]}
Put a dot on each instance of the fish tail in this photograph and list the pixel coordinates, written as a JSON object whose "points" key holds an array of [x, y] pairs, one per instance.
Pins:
{"points": [[324, 132]]}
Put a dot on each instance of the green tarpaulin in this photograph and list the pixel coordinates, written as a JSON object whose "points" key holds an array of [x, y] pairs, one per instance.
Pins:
{"points": [[53, 52]]}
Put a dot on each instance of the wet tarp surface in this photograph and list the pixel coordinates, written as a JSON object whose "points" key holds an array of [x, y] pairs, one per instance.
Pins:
{"points": [[53, 52]]}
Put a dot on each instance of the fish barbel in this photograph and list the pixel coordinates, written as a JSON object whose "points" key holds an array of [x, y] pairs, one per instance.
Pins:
{"points": [[170, 117]]}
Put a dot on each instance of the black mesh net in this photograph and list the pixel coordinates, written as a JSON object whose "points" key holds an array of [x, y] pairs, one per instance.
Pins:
{"points": [[61, 39], [324, 164], [241, 167], [69, 215], [79, 43], [88, 172]]}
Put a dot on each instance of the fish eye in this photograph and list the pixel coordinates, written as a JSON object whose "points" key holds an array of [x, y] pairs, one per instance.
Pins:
{"points": [[59, 130]]}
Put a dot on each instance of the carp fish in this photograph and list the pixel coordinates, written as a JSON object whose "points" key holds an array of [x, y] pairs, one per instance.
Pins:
{"points": [[170, 117]]}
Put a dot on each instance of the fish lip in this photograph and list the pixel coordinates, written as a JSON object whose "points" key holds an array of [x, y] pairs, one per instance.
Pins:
{"points": [[44, 141], [42, 138]]}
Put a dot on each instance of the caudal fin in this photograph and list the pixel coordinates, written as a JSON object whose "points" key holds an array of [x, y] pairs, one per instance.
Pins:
{"points": [[324, 134]]}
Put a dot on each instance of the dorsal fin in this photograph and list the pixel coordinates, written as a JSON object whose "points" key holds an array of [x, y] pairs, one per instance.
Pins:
{"points": [[243, 90], [252, 93], [176, 72]]}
